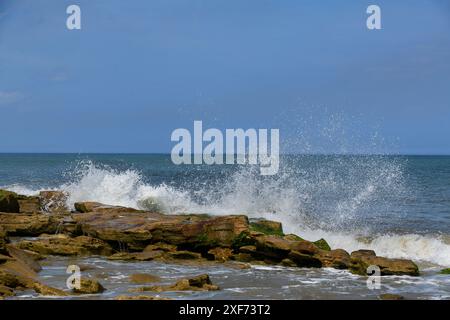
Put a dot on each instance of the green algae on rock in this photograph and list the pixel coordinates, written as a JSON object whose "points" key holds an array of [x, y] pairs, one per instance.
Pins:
{"points": [[445, 271]]}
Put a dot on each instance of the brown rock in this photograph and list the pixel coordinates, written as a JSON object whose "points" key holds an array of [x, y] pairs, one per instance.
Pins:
{"points": [[273, 247], [84, 207], [66, 246], [387, 266], [9, 280], [338, 259], [238, 265], [140, 297], [160, 246], [19, 272], [8, 201], [243, 257], [267, 227], [136, 230], [89, 286], [198, 283], [4, 258], [304, 260], [48, 291], [3, 240], [123, 230], [6, 291], [29, 224], [22, 265], [221, 254], [141, 278], [292, 237], [363, 253], [248, 249], [390, 296], [278, 248], [29, 204], [304, 247], [184, 255], [27, 257], [288, 263], [224, 231], [139, 256]]}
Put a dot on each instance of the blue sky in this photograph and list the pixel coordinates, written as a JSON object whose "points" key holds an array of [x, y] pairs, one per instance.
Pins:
{"points": [[139, 69]]}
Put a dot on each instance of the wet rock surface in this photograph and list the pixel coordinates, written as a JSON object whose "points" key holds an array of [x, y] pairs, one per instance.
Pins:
{"points": [[198, 283], [361, 261], [89, 286], [29, 224], [128, 235], [65, 245]]}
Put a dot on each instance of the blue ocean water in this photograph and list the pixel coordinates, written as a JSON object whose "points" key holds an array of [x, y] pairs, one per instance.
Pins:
{"points": [[397, 205]]}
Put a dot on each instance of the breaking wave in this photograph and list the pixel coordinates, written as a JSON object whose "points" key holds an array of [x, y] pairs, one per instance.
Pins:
{"points": [[346, 200]]}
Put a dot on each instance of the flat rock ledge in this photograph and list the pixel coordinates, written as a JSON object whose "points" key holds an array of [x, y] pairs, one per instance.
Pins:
{"points": [[121, 233]]}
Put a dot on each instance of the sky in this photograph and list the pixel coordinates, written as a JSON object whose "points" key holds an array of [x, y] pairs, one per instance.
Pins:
{"points": [[137, 70]]}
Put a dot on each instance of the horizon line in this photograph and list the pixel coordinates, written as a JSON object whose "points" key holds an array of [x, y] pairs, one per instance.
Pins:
{"points": [[168, 153]]}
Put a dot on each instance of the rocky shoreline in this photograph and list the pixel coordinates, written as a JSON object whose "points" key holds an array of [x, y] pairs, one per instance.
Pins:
{"points": [[126, 234]]}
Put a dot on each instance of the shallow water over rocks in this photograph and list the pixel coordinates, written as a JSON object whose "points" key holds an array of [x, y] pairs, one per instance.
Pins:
{"points": [[257, 282]]}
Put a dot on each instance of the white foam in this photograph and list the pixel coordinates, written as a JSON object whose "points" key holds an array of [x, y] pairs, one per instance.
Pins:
{"points": [[425, 248], [278, 200]]}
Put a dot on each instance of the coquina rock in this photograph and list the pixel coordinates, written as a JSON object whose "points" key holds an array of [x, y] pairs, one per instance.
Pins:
{"points": [[304, 260], [8, 201], [272, 247], [3, 240], [363, 253], [29, 204], [362, 259], [29, 224], [278, 248], [138, 256], [322, 244], [140, 297], [27, 257], [198, 283], [66, 246], [19, 272], [84, 207], [183, 255], [6, 292], [141, 278], [267, 227], [89, 286], [337, 259], [12, 202], [160, 246], [136, 230], [390, 296], [221, 254], [100, 229]]}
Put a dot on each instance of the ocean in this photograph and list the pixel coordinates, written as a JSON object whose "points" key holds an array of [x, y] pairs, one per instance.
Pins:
{"points": [[398, 206]]}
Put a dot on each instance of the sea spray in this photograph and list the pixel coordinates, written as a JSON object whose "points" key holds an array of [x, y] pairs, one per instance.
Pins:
{"points": [[352, 201], [344, 199]]}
